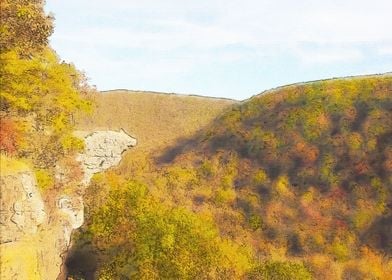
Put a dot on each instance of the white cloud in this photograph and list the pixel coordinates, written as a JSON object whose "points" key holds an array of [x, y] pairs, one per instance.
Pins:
{"points": [[169, 38], [247, 22]]}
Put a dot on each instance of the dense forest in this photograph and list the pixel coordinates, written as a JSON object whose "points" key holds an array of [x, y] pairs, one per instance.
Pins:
{"points": [[294, 183]]}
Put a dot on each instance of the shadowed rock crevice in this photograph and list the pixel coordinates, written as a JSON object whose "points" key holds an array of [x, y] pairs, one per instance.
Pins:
{"points": [[36, 232], [81, 263]]}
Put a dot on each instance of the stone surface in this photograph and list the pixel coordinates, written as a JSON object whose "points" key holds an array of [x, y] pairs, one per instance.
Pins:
{"points": [[72, 207], [36, 234], [22, 208], [25, 224], [103, 149]]}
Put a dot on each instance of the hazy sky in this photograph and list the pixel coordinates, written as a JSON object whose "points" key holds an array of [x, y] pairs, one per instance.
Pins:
{"points": [[224, 48]]}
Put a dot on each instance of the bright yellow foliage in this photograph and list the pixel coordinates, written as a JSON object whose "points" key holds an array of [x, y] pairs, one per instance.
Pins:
{"points": [[44, 178], [20, 259], [11, 166]]}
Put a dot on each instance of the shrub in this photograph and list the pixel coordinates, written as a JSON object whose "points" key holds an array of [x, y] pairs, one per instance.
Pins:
{"points": [[10, 136], [255, 222], [260, 177], [281, 271], [45, 179]]}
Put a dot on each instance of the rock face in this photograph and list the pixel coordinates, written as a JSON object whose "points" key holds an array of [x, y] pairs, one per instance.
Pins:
{"points": [[72, 207], [29, 237], [35, 234], [103, 149], [22, 208]]}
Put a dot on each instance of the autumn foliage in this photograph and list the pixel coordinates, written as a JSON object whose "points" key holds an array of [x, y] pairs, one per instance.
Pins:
{"points": [[301, 176], [39, 94], [9, 136], [294, 183]]}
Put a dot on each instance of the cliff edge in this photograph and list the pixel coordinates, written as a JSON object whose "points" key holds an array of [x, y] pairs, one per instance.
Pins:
{"points": [[35, 232]]}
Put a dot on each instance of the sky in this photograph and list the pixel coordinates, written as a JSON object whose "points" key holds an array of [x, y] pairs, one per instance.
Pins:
{"points": [[221, 48]]}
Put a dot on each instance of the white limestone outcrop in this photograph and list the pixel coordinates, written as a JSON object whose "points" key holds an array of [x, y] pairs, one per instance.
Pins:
{"points": [[72, 207], [103, 149], [22, 208], [36, 234]]}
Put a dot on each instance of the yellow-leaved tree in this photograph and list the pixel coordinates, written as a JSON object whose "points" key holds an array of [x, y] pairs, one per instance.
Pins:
{"points": [[39, 94]]}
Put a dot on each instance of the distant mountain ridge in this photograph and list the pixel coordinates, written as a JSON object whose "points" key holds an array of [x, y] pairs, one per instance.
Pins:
{"points": [[153, 118], [296, 181], [166, 93]]}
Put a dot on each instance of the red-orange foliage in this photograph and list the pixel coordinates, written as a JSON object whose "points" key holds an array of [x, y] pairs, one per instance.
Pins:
{"points": [[9, 136], [362, 167], [313, 214], [340, 224], [337, 194], [308, 153], [388, 164], [388, 160], [323, 120]]}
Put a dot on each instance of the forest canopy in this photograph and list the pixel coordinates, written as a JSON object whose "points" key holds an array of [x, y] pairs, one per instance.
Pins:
{"points": [[39, 94], [294, 183]]}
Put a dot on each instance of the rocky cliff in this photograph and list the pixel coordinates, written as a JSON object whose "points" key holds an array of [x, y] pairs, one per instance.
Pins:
{"points": [[35, 233]]}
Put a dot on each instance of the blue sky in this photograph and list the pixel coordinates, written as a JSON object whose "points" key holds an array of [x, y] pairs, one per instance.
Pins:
{"points": [[219, 48]]}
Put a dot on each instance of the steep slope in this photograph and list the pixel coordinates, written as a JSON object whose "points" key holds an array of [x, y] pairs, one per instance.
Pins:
{"points": [[298, 177], [39, 222], [156, 120]]}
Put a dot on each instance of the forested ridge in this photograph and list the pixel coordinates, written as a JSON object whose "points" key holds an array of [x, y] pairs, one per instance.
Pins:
{"points": [[294, 183]]}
